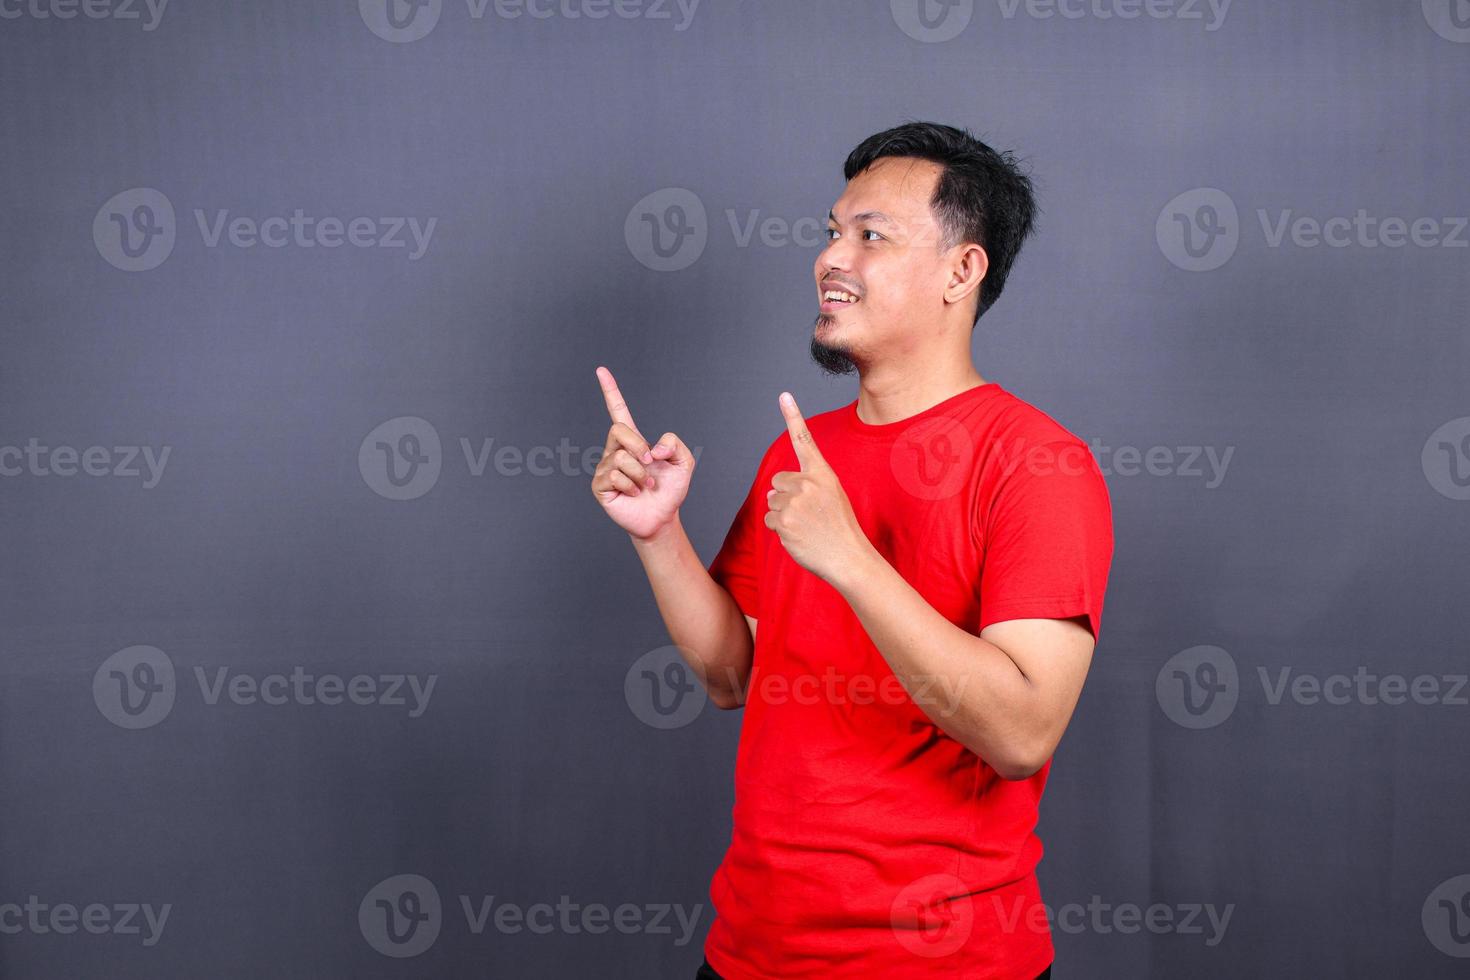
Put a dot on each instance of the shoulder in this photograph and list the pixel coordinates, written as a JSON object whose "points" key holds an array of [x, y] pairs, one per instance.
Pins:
{"points": [[1017, 421], [1026, 455]]}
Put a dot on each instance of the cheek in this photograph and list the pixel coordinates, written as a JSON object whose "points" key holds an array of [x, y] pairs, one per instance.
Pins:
{"points": [[888, 292], [910, 291]]}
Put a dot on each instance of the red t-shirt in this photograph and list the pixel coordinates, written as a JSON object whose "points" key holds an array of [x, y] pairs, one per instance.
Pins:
{"points": [[859, 825]]}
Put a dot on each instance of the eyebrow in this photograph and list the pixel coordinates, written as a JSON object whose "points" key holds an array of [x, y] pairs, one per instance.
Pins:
{"points": [[877, 217]]}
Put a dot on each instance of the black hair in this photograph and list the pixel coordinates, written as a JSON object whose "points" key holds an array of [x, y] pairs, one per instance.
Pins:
{"points": [[982, 196]]}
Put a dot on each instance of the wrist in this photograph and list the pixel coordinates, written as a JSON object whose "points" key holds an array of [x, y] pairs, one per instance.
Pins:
{"points": [[661, 537], [859, 570]]}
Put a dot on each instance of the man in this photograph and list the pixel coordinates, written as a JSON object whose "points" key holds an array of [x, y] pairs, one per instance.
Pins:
{"points": [[906, 603]]}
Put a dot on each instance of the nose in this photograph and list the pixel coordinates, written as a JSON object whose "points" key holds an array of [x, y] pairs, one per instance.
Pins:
{"points": [[833, 258]]}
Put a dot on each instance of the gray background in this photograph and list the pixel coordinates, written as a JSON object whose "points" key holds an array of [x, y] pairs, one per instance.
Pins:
{"points": [[1335, 541]]}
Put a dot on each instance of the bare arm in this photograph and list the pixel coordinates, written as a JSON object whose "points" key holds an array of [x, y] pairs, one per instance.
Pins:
{"points": [[641, 488], [1006, 694], [700, 614]]}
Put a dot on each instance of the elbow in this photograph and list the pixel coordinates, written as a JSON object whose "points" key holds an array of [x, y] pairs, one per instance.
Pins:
{"points": [[1022, 762], [725, 700], [1017, 771]]}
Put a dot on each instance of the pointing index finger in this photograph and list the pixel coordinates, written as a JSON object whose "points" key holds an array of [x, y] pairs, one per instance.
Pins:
{"points": [[801, 437], [617, 408]]}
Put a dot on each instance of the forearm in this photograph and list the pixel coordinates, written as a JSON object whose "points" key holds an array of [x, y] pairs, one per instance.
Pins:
{"points": [[968, 686], [702, 617]]}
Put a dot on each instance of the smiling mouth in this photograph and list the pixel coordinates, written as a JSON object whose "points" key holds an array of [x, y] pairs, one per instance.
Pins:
{"points": [[837, 299]]}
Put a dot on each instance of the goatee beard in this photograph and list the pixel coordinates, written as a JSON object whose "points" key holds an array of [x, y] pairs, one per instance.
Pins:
{"points": [[832, 360]]}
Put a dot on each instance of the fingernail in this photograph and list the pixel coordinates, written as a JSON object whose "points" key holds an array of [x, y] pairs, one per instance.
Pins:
{"points": [[648, 456], [649, 483]]}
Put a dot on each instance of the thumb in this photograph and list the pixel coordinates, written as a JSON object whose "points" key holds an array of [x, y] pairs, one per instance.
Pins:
{"points": [[669, 449]]}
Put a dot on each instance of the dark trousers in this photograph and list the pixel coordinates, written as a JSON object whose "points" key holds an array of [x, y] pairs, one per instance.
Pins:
{"points": [[707, 972]]}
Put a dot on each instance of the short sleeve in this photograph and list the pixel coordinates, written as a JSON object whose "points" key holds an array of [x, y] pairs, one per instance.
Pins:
{"points": [[737, 565], [1047, 537]]}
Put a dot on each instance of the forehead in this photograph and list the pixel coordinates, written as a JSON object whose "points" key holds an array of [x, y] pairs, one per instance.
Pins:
{"points": [[900, 187]]}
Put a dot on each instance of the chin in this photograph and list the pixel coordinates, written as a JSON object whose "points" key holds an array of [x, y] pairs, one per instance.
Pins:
{"points": [[833, 358], [828, 322]]}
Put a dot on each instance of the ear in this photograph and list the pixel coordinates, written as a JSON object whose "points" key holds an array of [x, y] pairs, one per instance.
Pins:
{"points": [[968, 264]]}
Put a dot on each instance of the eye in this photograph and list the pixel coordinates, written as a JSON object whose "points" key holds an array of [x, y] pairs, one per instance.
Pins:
{"points": [[869, 231]]}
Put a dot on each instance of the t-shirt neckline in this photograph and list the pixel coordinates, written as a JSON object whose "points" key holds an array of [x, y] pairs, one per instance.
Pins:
{"points": [[891, 429]]}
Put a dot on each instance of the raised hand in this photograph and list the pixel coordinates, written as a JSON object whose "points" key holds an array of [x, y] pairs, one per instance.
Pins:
{"points": [[640, 486], [809, 510]]}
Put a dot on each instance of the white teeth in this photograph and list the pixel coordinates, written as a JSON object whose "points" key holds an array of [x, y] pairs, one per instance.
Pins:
{"points": [[838, 295]]}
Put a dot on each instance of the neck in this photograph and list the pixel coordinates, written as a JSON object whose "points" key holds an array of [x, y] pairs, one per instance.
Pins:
{"points": [[896, 391]]}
